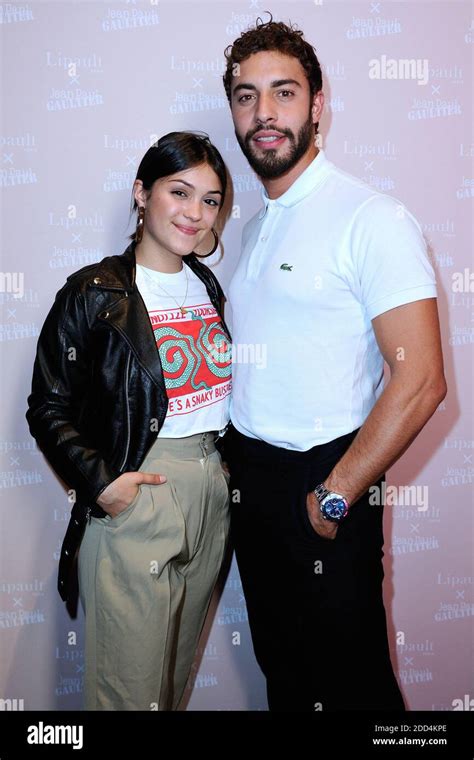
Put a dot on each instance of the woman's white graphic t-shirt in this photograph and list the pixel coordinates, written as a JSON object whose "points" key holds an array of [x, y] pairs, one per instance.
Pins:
{"points": [[195, 352]]}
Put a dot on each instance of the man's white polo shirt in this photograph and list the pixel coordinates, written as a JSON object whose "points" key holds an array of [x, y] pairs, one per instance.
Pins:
{"points": [[317, 265]]}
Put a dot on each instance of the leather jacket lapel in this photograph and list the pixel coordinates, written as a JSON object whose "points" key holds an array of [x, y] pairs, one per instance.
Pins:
{"points": [[124, 309], [128, 315]]}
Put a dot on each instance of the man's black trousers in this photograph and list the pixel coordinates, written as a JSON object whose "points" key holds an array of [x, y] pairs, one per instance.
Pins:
{"points": [[315, 605]]}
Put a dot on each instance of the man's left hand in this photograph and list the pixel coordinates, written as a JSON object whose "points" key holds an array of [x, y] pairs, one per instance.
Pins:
{"points": [[324, 528]]}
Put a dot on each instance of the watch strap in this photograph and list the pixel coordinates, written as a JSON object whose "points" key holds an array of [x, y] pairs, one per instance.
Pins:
{"points": [[321, 492]]}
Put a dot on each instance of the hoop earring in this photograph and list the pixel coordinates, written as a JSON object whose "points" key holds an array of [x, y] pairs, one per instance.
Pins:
{"points": [[214, 247], [140, 224]]}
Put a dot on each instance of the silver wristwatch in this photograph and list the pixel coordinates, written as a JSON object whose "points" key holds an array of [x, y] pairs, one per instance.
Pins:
{"points": [[333, 506]]}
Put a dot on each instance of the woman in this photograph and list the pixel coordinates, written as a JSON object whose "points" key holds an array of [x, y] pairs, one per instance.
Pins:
{"points": [[130, 390]]}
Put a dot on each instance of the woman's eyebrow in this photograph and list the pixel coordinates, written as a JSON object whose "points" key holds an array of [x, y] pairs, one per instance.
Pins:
{"points": [[188, 184]]}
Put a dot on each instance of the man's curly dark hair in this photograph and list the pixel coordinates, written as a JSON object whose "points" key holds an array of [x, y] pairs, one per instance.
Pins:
{"points": [[273, 35]]}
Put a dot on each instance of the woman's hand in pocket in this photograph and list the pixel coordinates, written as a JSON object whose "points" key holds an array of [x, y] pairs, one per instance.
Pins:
{"points": [[122, 491]]}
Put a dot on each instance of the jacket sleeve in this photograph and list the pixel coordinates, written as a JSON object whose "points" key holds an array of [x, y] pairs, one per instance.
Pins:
{"points": [[60, 380]]}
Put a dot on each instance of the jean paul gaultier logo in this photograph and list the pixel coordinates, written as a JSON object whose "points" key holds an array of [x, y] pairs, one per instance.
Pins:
{"points": [[19, 323], [373, 26], [73, 248], [121, 19], [72, 93], [245, 182], [12, 13], [192, 102], [13, 149], [126, 150], [71, 98], [238, 23]]}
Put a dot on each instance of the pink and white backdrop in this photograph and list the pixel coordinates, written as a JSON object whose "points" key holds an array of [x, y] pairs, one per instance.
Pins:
{"points": [[87, 87]]}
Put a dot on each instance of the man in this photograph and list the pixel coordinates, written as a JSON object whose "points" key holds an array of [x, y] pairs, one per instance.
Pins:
{"points": [[333, 279]]}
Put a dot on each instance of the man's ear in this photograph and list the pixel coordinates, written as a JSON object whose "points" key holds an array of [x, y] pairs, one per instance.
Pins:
{"points": [[318, 106], [139, 193]]}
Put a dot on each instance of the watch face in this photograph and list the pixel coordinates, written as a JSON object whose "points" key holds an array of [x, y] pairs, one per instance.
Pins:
{"points": [[334, 508]]}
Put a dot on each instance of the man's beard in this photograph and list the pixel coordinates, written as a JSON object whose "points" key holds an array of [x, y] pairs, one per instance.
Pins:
{"points": [[269, 165]]}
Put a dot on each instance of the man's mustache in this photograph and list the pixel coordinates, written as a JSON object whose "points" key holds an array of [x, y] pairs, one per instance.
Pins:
{"points": [[285, 132]]}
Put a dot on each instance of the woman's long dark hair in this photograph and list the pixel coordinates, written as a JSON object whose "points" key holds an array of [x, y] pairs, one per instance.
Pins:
{"points": [[176, 152]]}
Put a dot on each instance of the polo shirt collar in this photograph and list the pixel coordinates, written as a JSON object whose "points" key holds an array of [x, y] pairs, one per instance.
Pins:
{"points": [[313, 175]]}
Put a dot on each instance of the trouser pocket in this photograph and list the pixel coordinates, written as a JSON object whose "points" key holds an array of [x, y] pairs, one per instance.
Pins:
{"points": [[120, 518]]}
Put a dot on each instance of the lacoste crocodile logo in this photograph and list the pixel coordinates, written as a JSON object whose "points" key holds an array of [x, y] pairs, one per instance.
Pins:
{"points": [[286, 267]]}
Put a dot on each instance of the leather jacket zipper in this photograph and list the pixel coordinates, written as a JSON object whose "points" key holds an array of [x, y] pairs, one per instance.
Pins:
{"points": [[127, 370]]}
